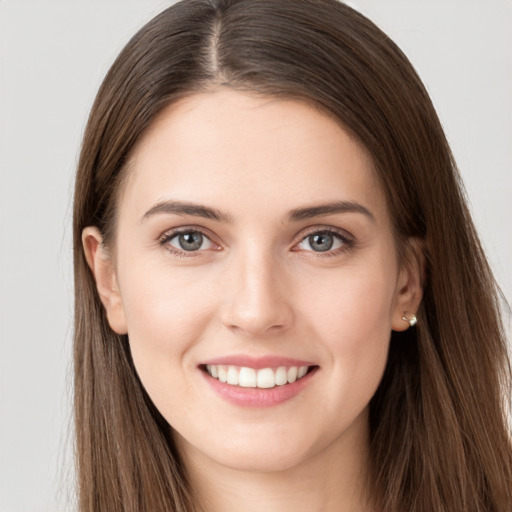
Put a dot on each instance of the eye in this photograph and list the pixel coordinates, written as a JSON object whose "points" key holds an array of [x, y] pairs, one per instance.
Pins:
{"points": [[189, 241], [324, 241]]}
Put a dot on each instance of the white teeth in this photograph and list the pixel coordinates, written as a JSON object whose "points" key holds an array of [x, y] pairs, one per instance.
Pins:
{"points": [[292, 374], [302, 371], [247, 377], [223, 374], [264, 378], [281, 376], [232, 375]]}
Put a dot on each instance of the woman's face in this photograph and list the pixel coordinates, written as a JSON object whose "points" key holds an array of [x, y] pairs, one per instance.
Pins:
{"points": [[253, 239]]}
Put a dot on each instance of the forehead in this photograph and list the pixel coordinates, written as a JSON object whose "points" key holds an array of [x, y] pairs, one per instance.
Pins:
{"points": [[248, 151]]}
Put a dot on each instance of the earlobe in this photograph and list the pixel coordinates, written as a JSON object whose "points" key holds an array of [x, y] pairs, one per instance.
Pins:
{"points": [[409, 288], [105, 277]]}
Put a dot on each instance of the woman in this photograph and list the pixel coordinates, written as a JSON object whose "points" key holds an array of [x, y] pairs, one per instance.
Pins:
{"points": [[281, 300]]}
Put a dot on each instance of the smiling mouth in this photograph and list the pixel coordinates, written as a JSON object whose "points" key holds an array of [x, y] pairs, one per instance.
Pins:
{"points": [[263, 378]]}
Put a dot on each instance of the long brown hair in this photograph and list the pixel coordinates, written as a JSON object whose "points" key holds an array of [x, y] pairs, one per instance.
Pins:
{"points": [[439, 432]]}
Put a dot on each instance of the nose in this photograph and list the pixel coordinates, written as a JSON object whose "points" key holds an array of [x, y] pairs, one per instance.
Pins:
{"points": [[257, 299]]}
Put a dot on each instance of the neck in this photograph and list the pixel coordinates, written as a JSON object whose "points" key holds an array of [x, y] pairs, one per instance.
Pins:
{"points": [[334, 479]]}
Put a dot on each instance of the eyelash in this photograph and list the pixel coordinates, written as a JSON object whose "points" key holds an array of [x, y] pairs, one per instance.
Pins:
{"points": [[348, 243], [167, 237]]}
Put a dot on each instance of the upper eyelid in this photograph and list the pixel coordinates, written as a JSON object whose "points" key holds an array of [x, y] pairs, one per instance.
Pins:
{"points": [[309, 231], [171, 233], [342, 233], [346, 241]]}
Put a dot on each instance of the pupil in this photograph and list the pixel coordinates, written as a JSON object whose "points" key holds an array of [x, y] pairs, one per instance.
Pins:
{"points": [[191, 241], [321, 242]]}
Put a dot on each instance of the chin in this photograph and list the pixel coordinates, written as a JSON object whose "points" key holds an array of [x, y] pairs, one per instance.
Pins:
{"points": [[265, 451], [258, 460]]}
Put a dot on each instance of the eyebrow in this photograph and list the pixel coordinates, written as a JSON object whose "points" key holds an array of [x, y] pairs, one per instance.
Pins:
{"points": [[329, 209], [198, 210], [186, 208]]}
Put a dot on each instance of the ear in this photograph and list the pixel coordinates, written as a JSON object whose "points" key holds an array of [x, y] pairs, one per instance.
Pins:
{"points": [[104, 274], [409, 291]]}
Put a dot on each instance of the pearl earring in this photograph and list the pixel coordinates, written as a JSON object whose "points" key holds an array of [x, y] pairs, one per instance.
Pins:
{"points": [[410, 319]]}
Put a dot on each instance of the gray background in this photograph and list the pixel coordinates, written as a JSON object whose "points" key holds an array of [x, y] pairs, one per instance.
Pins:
{"points": [[53, 55]]}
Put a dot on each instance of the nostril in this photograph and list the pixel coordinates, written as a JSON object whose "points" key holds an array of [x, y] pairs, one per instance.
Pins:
{"points": [[256, 308]]}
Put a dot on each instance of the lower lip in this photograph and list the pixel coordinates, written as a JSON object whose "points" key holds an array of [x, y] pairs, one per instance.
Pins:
{"points": [[258, 397]]}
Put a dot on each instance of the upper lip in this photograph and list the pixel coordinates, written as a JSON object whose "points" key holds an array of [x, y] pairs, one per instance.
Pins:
{"points": [[269, 361]]}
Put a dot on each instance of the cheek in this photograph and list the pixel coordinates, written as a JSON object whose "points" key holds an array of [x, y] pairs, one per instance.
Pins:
{"points": [[166, 313], [352, 302], [352, 313]]}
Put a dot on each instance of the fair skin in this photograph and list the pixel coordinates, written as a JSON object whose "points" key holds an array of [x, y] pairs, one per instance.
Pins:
{"points": [[255, 288]]}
